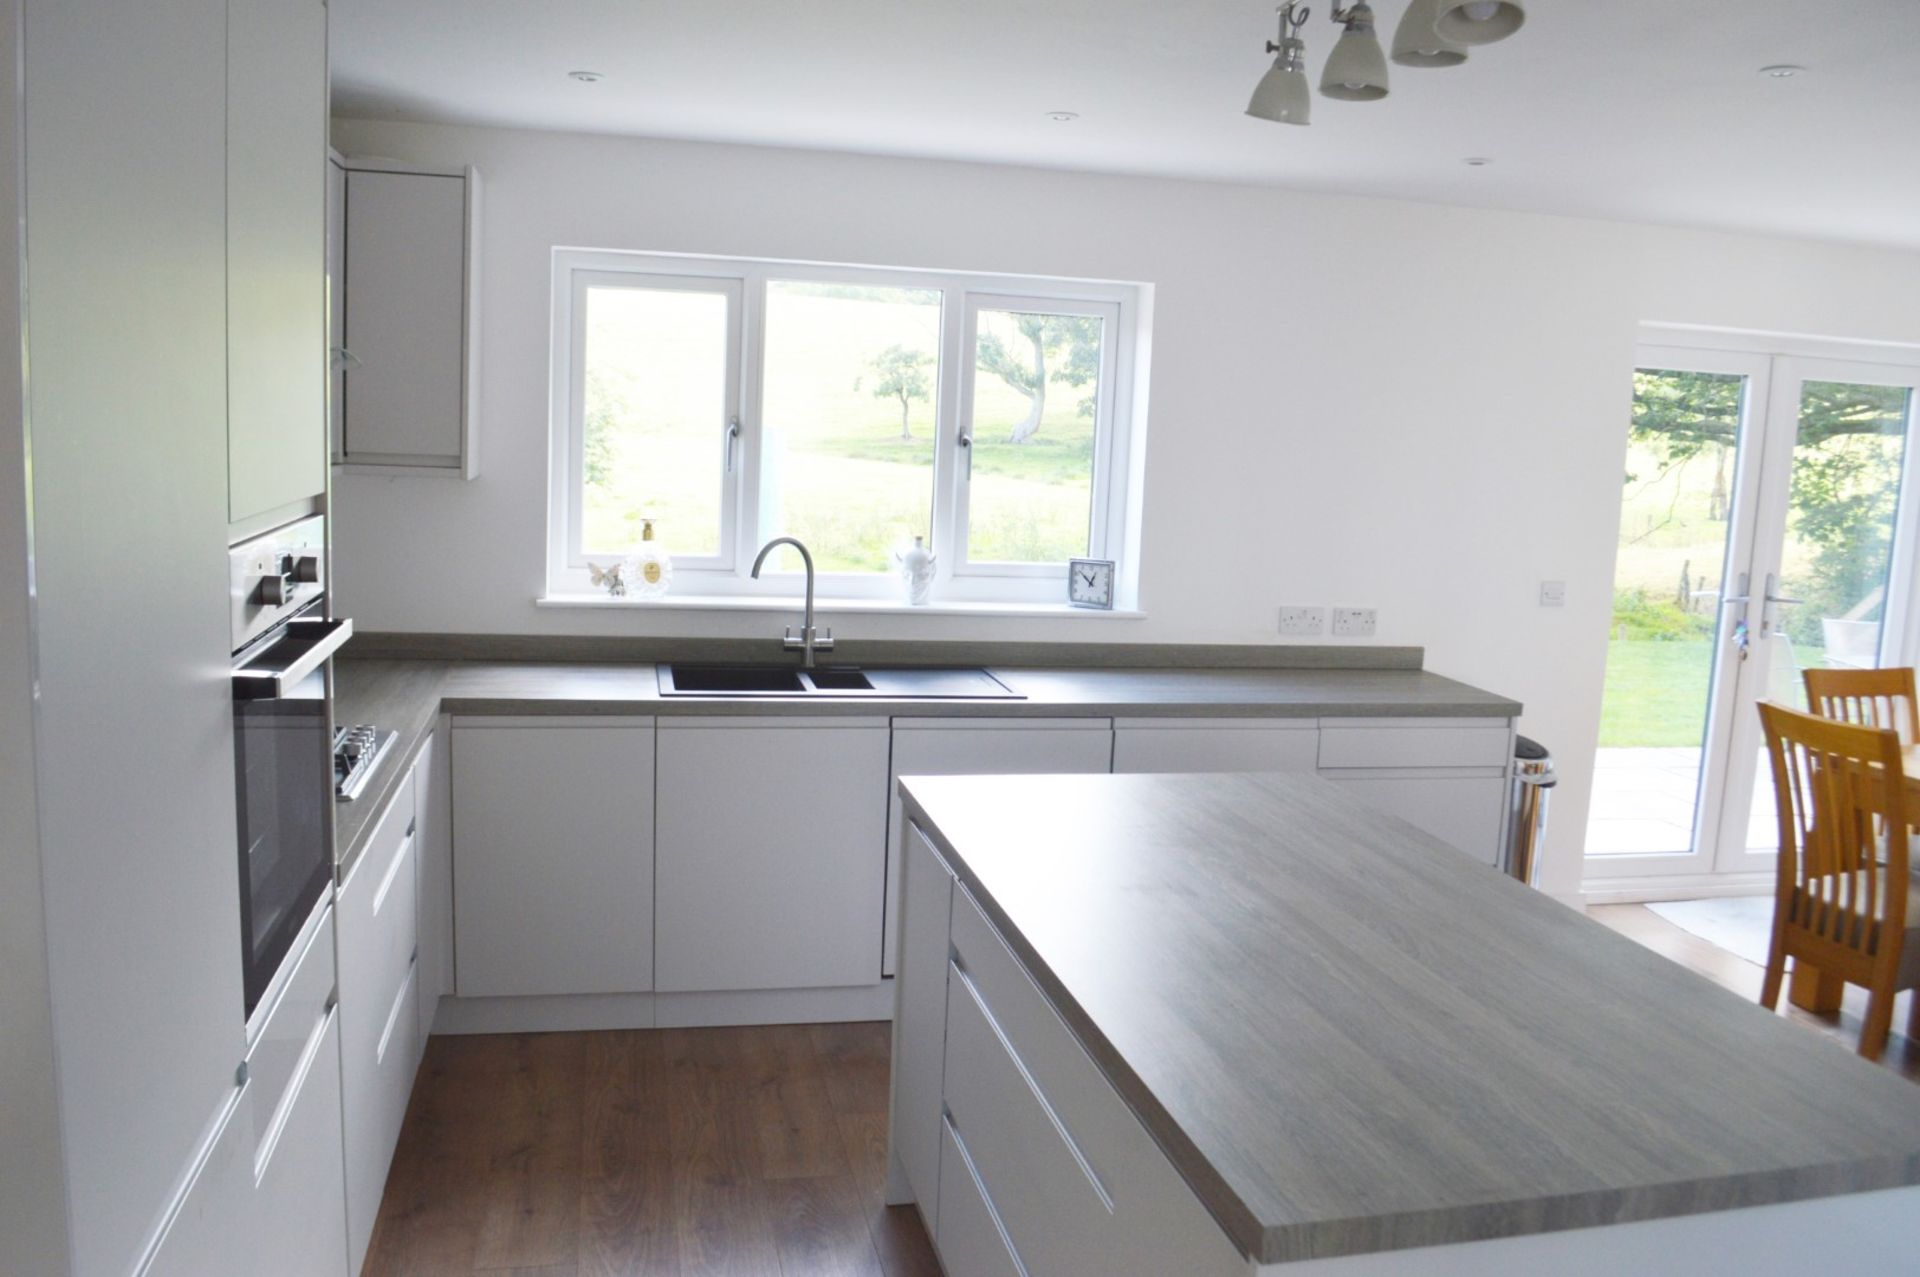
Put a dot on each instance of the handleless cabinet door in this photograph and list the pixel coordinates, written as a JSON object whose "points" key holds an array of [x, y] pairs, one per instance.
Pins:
{"points": [[771, 857], [980, 747], [213, 1231], [553, 859], [406, 303], [276, 254], [920, 1021]]}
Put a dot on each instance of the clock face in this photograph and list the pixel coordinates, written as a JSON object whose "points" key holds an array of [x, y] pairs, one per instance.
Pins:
{"points": [[1090, 582]]}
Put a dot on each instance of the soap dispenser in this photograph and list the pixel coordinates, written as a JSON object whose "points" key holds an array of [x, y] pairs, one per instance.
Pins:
{"points": [[649, 570]]}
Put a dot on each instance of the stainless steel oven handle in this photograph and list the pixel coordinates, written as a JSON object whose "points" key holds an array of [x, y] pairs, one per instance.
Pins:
{"points": [[260, 685]]}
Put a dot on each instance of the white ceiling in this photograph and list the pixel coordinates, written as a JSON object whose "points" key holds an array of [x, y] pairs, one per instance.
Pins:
{"points": [[1647, 110]]}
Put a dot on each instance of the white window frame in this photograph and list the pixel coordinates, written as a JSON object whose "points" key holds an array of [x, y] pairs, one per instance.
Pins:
{"points": [[1117, 486]]}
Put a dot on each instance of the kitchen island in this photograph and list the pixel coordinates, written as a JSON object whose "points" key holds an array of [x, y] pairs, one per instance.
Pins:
{"points": [[1224, 1024]]}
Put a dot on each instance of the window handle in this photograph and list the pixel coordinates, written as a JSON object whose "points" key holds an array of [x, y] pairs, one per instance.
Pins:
{"points": [[733, 436], [966, 447]]}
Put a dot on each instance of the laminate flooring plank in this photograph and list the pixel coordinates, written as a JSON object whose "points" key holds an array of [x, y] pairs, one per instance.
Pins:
{"points": [[793, 1109], [818, 1230], [626, 1180], [532, 1215], [856, 1061], [720, 1217]]}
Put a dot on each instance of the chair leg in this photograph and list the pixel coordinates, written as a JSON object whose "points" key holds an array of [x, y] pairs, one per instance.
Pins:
{"points": [[1878, 1024], [1776, 972]]}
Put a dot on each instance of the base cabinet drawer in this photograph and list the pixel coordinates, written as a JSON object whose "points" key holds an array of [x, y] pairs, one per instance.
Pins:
{"points": [[299, 1194], [971, 1241], [1215, 745], [378, 1064]]}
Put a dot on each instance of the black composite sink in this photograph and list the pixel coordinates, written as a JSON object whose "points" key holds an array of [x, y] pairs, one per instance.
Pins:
{"points": [[785, 680], [730, 680]]}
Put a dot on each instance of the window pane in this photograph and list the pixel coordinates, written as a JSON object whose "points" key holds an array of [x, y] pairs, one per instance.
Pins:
{"points": [[1036, 387], [846, 455], [655, 409]]}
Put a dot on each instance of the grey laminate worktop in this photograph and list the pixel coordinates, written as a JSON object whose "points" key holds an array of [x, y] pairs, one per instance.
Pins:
{"points": [[408, 694], [1349, 1038]]}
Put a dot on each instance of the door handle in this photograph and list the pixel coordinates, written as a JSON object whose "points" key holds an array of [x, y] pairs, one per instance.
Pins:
{"points": [[1770, 603]]}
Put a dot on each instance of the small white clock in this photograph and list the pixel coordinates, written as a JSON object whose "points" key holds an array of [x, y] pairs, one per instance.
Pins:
{"points": [[1090, 582]]}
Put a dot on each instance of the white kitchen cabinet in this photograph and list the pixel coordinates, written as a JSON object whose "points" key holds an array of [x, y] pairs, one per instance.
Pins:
{"points": [[276, 231], [920, 1021], [771, 852], [377, 927], [434, 848], [336, 290], [1216, 744], [553, 860], [408, 341], [972, 1240], [293, 1083], [212, 1231], [299, 1193], [978, 747], [1445, 776]]}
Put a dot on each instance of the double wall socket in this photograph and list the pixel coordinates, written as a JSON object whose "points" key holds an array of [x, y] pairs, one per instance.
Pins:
{"points": [[1303, 620], [1353, 622]]}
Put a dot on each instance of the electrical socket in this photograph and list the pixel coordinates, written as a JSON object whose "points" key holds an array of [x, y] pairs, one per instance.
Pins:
{"points": [[1303, 620], [1353, 622]]}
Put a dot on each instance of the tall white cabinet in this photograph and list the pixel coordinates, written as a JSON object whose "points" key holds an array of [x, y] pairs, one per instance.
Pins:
{"points": [[276, 228]]}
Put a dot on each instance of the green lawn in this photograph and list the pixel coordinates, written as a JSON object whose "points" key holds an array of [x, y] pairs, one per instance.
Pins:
{"points": [[1656, 692]]}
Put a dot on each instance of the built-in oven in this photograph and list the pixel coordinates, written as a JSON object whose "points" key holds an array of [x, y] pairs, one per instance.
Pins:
{"points": [[283, 640]]}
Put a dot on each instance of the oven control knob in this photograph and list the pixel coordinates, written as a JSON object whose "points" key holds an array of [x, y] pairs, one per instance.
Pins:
{"points": [[306, 568]]}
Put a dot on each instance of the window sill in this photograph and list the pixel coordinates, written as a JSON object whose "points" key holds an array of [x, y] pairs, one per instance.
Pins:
{"points": [[830, 607]]}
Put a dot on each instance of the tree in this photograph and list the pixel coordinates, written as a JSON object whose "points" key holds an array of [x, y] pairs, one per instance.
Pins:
{"points": [[1028, 371], [901, 375], [1845, 479]]}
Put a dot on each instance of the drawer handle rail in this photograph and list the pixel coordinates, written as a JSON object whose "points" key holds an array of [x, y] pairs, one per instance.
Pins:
{"points": [[393, 871], [980, 1186], [1066, 1136]]}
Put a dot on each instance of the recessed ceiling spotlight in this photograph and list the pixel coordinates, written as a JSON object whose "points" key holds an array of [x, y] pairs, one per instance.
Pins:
{"points": [[1063, 117], [1782, 71], [1477, 161], [586, 77]]}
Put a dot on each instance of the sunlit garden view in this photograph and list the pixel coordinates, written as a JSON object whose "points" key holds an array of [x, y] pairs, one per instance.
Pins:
{"points": [[850, 385], [1676, 514]]}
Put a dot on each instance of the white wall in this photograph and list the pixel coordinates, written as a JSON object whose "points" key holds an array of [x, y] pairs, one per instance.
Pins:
{"points": [[1362, 401]]}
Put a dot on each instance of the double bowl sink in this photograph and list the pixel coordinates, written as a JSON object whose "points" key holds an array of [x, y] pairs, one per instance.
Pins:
{"points": [[787, 681]]}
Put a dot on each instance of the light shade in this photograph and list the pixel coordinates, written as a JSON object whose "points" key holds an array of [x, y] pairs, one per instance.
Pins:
{"points": [[1356, 70], [1473, 22], [1282, 94], [1417, 44]]}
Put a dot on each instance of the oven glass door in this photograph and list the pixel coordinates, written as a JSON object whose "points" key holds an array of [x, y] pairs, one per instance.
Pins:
{"points": [[283, 769]]}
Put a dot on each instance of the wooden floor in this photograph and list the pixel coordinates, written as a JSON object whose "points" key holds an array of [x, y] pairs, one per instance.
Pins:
{"points": [[1733, 972], [754, 1151]]}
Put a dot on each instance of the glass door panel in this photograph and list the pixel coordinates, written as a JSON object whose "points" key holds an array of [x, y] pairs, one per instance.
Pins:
{"points": [[1835, 569], [1677, 537]]}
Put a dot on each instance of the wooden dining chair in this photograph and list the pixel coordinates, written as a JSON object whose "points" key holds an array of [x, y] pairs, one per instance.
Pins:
{"points": [[1870, 698], [1843, 898]]}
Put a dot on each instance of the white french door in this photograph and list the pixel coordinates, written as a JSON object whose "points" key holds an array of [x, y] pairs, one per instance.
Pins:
{"points": [[1770, 525]]}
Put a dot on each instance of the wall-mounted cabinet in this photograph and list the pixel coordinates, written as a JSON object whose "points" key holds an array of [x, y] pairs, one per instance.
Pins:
{"points": [[276, 301], [403, 250]]}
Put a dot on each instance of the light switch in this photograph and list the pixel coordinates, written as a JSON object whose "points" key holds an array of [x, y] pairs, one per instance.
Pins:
{"points": [[1553, 594]]}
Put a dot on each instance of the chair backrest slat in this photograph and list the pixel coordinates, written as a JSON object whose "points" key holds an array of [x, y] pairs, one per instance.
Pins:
{"points": [[1841, 801], [1882, 699]]}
